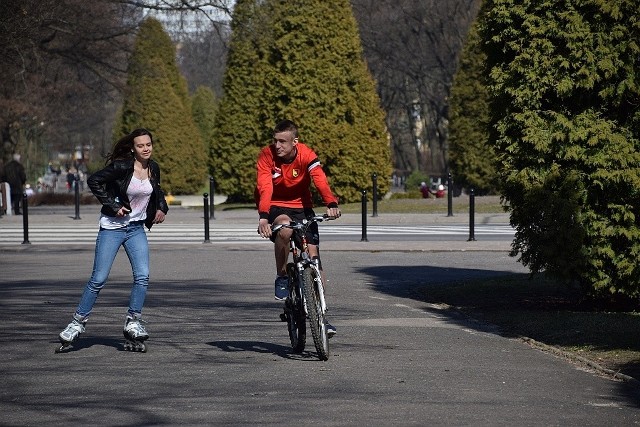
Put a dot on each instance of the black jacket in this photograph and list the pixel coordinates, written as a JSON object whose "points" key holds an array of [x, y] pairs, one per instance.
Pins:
{"points": [[110, 185], [15, 176]]}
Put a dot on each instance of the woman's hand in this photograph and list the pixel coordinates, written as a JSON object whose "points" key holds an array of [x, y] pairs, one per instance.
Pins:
{"points": [[159, 217], [122, 212]]}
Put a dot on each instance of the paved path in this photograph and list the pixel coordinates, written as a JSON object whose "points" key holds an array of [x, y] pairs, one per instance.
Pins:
{"points": [[218, 354]]}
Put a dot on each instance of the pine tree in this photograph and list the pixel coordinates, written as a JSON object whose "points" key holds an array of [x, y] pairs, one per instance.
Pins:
{"points": [[157, 99], [302, 60], [471, 155], [565, 94]]}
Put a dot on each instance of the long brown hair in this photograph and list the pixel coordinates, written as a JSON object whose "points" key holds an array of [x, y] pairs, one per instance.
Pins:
{"points": [[123, 149]]}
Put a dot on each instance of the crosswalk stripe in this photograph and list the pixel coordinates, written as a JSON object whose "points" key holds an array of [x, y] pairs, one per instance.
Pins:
{"points": [[64, 234]]}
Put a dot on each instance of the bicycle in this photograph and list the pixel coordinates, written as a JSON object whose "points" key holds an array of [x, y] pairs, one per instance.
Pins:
{"points": [[306, 291]]}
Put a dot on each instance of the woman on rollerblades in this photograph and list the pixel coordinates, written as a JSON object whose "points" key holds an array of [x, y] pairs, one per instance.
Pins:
{"points": [[129, 190]]}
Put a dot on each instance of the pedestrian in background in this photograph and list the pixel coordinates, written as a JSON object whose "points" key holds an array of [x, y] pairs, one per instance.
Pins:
{"points": [[129, 190], [424, 190], [14, 174]]}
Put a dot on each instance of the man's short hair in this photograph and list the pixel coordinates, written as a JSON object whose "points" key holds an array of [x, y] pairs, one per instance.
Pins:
{"points": [[286, 125]]}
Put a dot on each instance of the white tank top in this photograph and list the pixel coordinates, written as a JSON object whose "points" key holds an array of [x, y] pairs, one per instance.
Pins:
{"points": [[139, 192]]}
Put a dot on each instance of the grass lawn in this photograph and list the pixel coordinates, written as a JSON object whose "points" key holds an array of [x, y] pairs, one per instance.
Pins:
{"points": [[486, 204]]}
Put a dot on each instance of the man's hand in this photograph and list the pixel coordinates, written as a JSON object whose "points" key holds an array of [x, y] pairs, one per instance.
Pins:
{"points": [[264, 228], [334, 212]]}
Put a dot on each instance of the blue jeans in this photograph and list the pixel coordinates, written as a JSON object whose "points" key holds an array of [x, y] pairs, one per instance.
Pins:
{"points": [[108, 242]]}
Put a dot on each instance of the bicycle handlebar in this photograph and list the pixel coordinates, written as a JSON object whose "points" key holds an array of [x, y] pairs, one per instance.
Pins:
{"points": [[305, 223]]}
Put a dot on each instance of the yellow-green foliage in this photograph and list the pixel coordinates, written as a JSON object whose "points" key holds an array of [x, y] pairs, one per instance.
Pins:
{"points": [[157, 99], [565, 94], [300, 60]]}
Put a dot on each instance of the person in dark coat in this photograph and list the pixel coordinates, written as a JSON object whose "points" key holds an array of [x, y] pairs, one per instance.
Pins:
{"points": [[14, 174]]}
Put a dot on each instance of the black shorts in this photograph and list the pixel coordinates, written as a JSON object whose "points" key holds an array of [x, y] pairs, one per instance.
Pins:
{"points": [[296, 215]]}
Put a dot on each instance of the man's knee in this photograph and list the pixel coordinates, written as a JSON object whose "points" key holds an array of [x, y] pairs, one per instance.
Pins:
{"points": [[284, 235]]}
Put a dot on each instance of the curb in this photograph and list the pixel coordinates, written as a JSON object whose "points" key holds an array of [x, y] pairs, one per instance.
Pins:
{"points": [[579, 359]]}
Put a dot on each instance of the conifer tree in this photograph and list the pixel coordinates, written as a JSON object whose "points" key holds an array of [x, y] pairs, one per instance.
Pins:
{"points": [[157, 98], [301, 60], [471, 155], [242, 126], [204, 109], [565, 91]]}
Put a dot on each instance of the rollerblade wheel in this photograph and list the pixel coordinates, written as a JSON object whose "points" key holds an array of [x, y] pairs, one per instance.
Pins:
{"points": [[65, 347], [135, 346]]}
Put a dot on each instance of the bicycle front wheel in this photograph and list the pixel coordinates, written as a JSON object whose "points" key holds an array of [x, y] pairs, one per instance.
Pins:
{"points": [[311, 279], [294, 313]]}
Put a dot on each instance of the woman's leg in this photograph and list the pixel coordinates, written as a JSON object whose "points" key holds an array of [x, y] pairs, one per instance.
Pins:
{"points": [[137, 249], [107, 244]]}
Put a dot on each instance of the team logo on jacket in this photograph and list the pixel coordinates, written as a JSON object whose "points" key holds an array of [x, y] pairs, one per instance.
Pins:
{"points": [[295, 173]]}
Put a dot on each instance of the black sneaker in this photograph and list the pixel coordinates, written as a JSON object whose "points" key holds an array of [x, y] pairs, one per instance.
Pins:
{"points": [[331, 330], [282, 283]]}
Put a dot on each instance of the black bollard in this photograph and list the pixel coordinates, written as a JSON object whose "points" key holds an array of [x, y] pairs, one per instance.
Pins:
{"points": [[206, 218], [374, 195], [77, 196], [449, 195], [364, 217], [25, 219], [211, 191], [472, 208]]}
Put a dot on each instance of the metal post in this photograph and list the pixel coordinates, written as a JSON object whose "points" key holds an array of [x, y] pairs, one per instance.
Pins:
{"points": [[449, 195], [77, 196], [374, 195], [364, 217], [206, 218], [472, 208], [211, 191], [25, 219]]}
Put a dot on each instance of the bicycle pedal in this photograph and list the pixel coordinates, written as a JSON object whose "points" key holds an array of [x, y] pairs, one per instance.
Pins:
{"points": [[283, 317]]}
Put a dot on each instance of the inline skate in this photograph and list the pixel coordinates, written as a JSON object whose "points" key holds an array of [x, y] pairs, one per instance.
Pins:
{"points": [[71, 333], [135, 334]]}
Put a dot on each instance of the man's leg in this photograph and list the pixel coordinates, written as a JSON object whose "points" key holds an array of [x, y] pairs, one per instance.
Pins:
{"points": [[281, 245], [15, 199], [281, 251]]}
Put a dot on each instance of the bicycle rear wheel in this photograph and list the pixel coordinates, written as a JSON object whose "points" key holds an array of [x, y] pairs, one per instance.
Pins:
{"points": [[294, 313], [311, 278]]}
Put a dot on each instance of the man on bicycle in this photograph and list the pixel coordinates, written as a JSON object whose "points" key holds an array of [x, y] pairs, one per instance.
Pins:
{"points": [[285, 171]]}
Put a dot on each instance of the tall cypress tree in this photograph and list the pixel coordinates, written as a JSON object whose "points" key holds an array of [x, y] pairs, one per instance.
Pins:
{"points": [[157, 98], [241, 123], [302, 60], [204, 109], [565, 94], [471, 155]]}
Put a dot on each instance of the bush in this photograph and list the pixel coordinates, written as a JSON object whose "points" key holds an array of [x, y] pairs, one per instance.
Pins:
{"points": [[415, 179], [64, 199]]}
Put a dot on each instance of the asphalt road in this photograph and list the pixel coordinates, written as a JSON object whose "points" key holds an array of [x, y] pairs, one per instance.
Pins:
{"points": [[218, 354]]}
